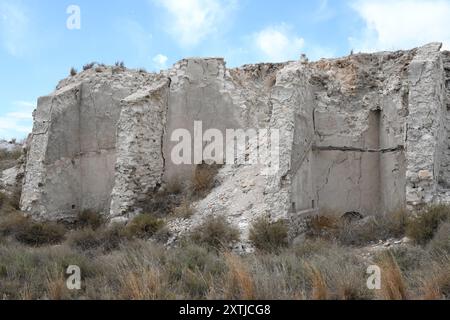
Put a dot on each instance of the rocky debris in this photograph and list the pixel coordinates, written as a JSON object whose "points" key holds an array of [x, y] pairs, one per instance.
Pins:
{"points": [[361, 134]]}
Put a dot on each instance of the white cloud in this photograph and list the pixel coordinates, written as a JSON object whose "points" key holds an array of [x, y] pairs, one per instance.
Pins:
{"points": [[160, 61], [17, 124], [401, 24], [14, 28], [191, 21], [278, 43]]}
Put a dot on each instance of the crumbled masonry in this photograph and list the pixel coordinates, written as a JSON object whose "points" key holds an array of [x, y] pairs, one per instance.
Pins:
{"points": [[367, 133]]}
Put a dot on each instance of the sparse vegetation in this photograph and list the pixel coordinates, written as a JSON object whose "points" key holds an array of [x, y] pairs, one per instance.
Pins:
{"points": [[203, 179], [73, 72], [8, 159], [144, 226], [118, 262], [32, 233], [89, 66], [423, 228], [215, 232], [269, 236], [120, 64], [91, 219]]}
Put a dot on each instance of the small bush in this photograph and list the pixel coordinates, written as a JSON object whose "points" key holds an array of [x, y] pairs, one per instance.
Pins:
{"points": [[423, 228], [215, 232], [204, 179], [73, 72], [184, 210], [90, 219], [89, 66], [85, 239], [107, 239], [269, 236], [120, 64], [39, 234], [440, 244], [30, 232], [144, 226]]}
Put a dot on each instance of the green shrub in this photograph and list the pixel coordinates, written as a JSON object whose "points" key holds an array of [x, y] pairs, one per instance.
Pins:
{"points": [[215, 232], [39, 234], [144, 226], [440, 244], [423, 228], [91, 219], [29, 232], [89, 66], [203, 179], [85, 239], [269, 236], [106, 239], [184, 210]]}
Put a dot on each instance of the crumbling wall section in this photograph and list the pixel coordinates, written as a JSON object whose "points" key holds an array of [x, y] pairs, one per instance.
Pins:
{"points": [[292, 116], [425, 126], [140, 160], [52, 182]]}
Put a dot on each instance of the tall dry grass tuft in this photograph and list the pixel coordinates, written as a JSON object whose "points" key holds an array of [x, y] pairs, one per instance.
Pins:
{"points": [[239, 283], [142, 285], [319, 289], [436, 285], [393, 286], [56, 288]]}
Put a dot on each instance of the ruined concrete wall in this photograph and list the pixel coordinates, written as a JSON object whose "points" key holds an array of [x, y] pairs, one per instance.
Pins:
{"points": [[197, 93], [71, 162], [444, 180], [364, 133], [140, 161], [291, 115], [425, 127], [52, 182]]}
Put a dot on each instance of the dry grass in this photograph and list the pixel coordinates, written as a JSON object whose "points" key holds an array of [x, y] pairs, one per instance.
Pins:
{"points": [[423, 228], [269, 236], [90, 219], [30, 232], [115, 266], [9, 159], [203, 180], [393, 286], [215, 232], [184, 210], [239, 282], [319, 286], [144, 226]]}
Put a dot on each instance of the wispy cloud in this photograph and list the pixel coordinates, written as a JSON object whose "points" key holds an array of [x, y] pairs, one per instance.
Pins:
{"points": [[192, 21], [18, 123], [160, 61], [401, 24], [278, 43], [14, 27]]}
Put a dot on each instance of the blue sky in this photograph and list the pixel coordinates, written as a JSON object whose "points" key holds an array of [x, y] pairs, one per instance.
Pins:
{"points": [[37, 49]]}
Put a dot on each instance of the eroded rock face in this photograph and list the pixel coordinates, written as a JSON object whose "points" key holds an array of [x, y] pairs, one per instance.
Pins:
{"points": [[365, 133]]}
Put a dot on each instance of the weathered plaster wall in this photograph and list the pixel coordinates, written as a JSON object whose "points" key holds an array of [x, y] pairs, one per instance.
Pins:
{"points": [[364, 133], [140, 161], [424, 125], [72, 156]]}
